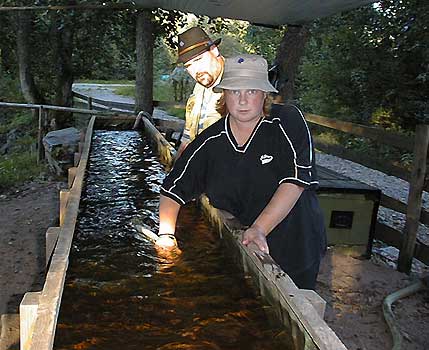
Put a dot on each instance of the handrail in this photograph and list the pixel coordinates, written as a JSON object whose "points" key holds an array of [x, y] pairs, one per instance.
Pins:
{"points": [[372, 132], [60, 108]]}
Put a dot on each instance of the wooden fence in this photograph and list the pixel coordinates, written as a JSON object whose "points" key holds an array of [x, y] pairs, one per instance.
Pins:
{"points": [[406, 241]]}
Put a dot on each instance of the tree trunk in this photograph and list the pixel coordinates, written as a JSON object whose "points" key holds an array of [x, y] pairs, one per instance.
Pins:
{"points": [[288, 58], [24, 28], [62, 38], [144, 59]]}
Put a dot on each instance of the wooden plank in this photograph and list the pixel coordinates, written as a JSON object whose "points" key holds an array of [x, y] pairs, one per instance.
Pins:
{"points": [[52, 235], [166, 152], [40, 148], [64, 197], [71, 176], [371, 132], [311, 332], [76, 159], [393, 237], [27, 318], [414, 204], [394, 204], [50, 299], [60, 108]]}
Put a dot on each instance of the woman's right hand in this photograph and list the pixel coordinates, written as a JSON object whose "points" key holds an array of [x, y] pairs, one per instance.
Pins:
{"points": [[166, 241]]}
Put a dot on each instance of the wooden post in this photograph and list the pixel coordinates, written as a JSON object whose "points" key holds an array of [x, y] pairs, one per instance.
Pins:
{"points": [[71, 175], [414, 204], [89, 102], [64, 196], [76, 159], [40, 136], [52, 235], [27, 315]]}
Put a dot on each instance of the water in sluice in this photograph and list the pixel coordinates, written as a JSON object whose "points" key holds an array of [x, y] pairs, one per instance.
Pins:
{"points": [[121, 294]]}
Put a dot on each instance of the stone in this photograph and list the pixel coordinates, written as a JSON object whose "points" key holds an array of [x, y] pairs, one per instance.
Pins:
{"points": [[60, 147]]}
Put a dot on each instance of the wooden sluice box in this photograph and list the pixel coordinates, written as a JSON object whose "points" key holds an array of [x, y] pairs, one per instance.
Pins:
{"points": [[301, 311], [350, 210]]}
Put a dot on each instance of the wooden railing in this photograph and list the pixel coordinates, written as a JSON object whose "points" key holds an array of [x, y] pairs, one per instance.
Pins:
{"points": [[406, 241]]}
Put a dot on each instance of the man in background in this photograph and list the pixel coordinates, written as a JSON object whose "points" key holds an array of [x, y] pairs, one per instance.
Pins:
{"points": [[201, 58]]}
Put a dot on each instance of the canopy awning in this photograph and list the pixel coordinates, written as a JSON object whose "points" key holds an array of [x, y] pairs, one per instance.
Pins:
{"points": [[267, 12]]}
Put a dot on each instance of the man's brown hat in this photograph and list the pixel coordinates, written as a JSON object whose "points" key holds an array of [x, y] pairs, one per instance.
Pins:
{"points": [[194, 42]]}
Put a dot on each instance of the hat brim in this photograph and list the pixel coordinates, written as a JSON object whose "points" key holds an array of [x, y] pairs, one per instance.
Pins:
{"points": [[242, 83], [187, 56]]}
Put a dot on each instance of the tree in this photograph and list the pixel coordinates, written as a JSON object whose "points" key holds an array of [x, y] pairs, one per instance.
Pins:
{"points": [[288, 59], [144, 71], [369, 62]]}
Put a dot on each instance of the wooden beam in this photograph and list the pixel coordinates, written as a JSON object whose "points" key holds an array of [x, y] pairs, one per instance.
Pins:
{"points": [[52, 235], [60, 108], [378, 134], [414, 205], [71, 176], [76, 159], [64, 197], [27, 318], [394, 204], [50, 299]]}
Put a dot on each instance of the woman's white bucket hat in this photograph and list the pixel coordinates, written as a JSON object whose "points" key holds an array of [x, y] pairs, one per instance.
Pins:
{"points": [[245, 72]]}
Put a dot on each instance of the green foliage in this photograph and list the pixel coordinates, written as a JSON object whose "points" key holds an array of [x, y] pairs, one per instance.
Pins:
{"points": [[370, 60], [21, 120], [18, 168], [9, 87], [176, 112]]}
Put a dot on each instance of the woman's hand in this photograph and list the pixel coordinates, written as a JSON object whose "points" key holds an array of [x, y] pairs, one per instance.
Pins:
{"points": [[255, 235], [166, 241]]}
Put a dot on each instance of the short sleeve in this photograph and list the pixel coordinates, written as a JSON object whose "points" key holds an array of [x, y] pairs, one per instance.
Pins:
{"points": [[297, 163], [186, 181]]}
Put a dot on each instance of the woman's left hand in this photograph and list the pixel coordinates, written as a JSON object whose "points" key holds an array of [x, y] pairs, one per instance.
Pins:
{"points": [[256, 236]]}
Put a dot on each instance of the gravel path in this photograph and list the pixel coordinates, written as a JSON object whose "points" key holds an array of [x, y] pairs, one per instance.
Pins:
{"points": [[389, 185]]}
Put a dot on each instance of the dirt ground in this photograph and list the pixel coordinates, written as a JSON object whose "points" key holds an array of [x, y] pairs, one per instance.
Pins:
{"points": [[353, 288]]}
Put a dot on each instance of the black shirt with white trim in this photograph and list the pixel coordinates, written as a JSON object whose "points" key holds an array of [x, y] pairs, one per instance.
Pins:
{"points": [[242, 180]]}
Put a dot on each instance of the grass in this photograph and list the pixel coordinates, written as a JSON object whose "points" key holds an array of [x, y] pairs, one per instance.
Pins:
{"points": [[18, 168], [176, 112], [21, 120], [162, 91]]}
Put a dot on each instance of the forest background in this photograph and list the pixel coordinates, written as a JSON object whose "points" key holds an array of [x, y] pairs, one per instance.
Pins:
{"points": [[369, 65]]}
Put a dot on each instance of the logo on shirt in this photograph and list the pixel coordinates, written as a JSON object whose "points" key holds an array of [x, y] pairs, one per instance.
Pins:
{"points": [[265, 159]]}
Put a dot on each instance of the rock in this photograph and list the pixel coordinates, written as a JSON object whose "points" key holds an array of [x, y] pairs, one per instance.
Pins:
{"points": [[60, 147]]}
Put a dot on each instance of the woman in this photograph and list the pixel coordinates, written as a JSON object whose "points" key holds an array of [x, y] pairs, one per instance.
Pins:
{"points": [[258, 167]]}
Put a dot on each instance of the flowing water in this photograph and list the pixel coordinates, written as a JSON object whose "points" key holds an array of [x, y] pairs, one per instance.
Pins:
{"points": [[122, 294]]}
